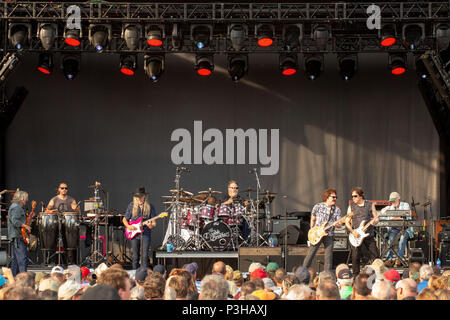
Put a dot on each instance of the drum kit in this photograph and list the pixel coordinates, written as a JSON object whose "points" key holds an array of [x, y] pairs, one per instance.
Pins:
{"points": [[199, 222]]}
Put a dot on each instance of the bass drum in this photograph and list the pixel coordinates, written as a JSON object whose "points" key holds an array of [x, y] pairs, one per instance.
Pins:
{"points": [[218, 235]]}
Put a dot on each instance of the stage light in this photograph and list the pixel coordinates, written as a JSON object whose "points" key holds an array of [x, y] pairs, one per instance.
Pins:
{"points": [[128, 64], [177, 39], [8, 64], [237, 66], [442, 34], [387, 35], [132, 33], [264, 33], [397, 63], [99, 35], [45, 64], [288, 64], [154, 35], [237, 33], [204, 64], [72, 37], [348, 65], [421, 70], [321, 34], [19, 34], [201, 35], [47, 32], [412, 34], [70, 66], [154, 66], [313, 66], [292, 36]]}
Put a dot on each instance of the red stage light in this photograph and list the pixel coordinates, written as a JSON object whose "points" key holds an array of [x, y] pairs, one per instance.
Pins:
{"points": [[204, 72], [289, 71], [265, 42], [72, 42], [43, 70], [127, 71], [154, 42], [389, 41], [399, 70]]}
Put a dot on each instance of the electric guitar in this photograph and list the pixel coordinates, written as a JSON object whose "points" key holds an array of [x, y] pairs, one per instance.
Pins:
{"points": [[317, 233], [25, 233], [356, 242], [132, 233]]}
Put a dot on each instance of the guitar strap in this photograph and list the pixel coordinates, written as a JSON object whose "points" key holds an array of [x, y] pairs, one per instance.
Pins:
{"points": [[333, 208]]}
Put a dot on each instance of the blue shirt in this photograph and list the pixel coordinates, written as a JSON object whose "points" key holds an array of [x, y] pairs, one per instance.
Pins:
{"points": [[129, 216], [16, 217], [401, 206], [322, 212], [422, 285]]}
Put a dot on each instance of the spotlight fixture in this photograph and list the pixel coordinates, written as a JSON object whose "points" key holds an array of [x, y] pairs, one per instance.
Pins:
{"points": [[72, 37], [421, 69], [47, 32], [397, 63], [387, 35], [237, 66], [45, 63], [313, 66], [154, 66], [8, 64], [70, 66], [442, 34], [201, 35], [288, 64], [292, 36], [155, 35], [347, 64], [132, 33], [177, 40], [128, 64], [413, 34], [264, 33], [99, 36], [237, 33], [19, 34], [320, 34], [204, 65]]}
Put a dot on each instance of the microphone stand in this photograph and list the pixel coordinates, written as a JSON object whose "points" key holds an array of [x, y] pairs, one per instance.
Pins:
{"points": [[258, 188], [142, 228], [285, 235]]}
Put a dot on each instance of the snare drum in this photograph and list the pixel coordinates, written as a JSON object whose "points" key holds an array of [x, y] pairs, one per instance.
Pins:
{"points": [[71, 223], [208, 212], [225, 211], [48, 229]]}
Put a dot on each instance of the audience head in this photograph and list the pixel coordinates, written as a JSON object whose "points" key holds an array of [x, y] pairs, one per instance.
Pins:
{"points": [[118, 279], [427, 294], [328, 290], [219, 268], [25, 279], [360, 286], [382, 290], [247, 288], [160, 269], [101, 292], [180, 284], [154, 286], [425, 272], [406, 288], [214, 287], [299, 292]]}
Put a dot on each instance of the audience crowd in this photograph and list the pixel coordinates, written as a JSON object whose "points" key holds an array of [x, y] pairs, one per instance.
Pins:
{"points": [[259, 282]]}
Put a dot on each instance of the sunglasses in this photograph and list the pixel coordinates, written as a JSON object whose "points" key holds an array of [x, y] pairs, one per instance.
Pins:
{"points": [[233, 188], [354, 196], [64, 188], [334, 197]]}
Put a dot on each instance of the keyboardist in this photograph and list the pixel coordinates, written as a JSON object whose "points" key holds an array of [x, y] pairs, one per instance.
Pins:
{"points": [[394, 197]]}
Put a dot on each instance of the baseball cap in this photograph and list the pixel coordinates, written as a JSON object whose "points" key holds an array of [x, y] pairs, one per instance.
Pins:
{"points": [[49, 284], [264, 295], [345, 274], [303, 275], [394, 195], [101, 292], [191, 267], [254, 266], [258, 273], [159, 268], [3, 280], [68, 289], [57, 269], [268, 283], [140, 274], [101, 267], [392, 275], [84, 272], [346, 292], [237, 275], [272, 266]]}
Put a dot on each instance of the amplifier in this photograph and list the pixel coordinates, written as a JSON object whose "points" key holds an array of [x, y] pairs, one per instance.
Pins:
{"points": [[444, 236], [444, 254]]}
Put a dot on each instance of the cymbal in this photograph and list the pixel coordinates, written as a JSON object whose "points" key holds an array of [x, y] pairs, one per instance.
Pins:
{"points": [[167, 197], [200, 197], [248, 190], [168, 202], [426, 204], [182, 192], [210, 191]]}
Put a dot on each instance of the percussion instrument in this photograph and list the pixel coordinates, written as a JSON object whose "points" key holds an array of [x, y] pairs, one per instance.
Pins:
{"points": [[48, 229], [218, 235], [225, 211], [207, 212], [71, 225]]}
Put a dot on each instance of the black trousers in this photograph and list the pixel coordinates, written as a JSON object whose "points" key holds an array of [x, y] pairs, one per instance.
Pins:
{"points": [[368, 245]]}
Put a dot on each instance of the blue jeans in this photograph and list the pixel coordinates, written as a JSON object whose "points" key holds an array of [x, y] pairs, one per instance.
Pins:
{"points": [[19, 260], [328, 242], [401, 244], [135, 247]]}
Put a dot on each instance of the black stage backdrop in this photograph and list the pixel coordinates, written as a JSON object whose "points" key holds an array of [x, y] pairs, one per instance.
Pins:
{"points": [[374, 131]]}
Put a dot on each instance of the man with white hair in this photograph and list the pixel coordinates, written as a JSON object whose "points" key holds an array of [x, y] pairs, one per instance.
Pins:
{"points": [[425, 274], [213, 287], [396, 204], [381, 290], [17, 221], [406, 289], [299, 292]]}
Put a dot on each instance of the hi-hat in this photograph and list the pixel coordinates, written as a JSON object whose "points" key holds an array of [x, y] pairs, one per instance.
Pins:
{"points": [[182, 192]]}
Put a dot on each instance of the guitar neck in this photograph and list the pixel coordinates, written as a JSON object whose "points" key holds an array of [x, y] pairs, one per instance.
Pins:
{"points": [[368, 224]]}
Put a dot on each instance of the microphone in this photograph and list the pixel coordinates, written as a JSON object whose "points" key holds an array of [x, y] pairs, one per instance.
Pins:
{"points": [[184, 169], [97, 184]]}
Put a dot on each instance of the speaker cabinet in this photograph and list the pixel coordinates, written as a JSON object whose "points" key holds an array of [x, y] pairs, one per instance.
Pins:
{"points": [[258, 254], [444, 254]]}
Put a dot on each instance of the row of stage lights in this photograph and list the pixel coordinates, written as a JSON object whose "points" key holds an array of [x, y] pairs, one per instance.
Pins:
{"points": [[19, 35]]}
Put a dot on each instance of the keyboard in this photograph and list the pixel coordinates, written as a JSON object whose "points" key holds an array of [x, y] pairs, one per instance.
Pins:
{"points": [[400, 223]]}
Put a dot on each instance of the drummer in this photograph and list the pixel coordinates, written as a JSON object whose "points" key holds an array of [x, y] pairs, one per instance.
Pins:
{"points": [[62, 202], [232, 198]]}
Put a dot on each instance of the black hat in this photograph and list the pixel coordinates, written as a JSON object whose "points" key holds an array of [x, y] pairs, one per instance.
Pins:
{"points": [[101, 292], [140, 192]]}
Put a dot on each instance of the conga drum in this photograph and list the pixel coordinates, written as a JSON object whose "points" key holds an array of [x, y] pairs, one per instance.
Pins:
{"points": [[48, 230]]}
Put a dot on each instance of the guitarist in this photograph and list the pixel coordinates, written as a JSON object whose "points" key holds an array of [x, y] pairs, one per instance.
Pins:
{"points": [[140, 208], [363, 210], [324, 212], [16, 221]]}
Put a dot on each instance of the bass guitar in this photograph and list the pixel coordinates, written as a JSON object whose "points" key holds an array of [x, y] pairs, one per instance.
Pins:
{"points": [[317, 233], [25, 233], [356, 241], [130, 234]]}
